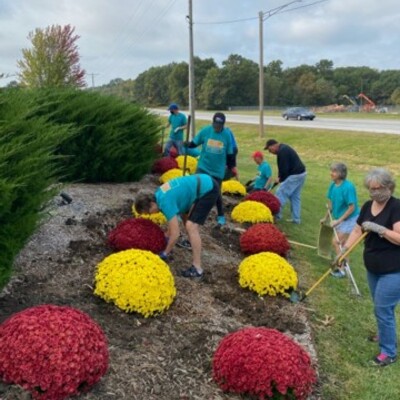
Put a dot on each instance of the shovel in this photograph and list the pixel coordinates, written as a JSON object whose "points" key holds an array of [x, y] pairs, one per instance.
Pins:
{"points": [[296, 297], [187, 141], [346, 264]]}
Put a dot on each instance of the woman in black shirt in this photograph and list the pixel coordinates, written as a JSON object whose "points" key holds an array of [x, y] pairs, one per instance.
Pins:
{"points": [[380, 216]]}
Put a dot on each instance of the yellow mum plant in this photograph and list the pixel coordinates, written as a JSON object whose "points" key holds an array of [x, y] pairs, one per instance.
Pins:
{"points": [[157, 218], [267, 273], [252, 211], [233, 186], [191, 163], [171, 174], [135, 281]]}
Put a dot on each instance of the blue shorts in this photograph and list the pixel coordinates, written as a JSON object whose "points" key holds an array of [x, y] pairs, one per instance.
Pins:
{"points": [[347, 225]]}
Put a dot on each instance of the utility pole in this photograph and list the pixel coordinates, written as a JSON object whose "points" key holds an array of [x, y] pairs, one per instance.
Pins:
{"points": [[192, 99], [92, 75], [261, 74]]}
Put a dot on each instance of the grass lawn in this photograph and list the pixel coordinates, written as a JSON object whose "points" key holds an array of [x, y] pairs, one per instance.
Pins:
{"points": [[341, 321]]}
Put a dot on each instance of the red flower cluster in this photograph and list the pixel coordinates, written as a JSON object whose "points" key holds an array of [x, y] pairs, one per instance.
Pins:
{"points": [[164, 164], [54, 352], [267, 198], [264, 237], [265, 363], [137, 233]]}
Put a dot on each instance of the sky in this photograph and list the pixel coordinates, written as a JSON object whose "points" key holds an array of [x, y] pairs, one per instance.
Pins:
{"points": [[122, 38]]}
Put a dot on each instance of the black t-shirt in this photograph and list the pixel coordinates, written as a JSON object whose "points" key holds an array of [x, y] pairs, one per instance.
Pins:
{"points": [[289, 162], [380, 255]]}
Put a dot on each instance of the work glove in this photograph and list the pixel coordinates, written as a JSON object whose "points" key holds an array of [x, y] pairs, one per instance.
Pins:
{"points": [[369, 226], [337, 262], [186, 144]]}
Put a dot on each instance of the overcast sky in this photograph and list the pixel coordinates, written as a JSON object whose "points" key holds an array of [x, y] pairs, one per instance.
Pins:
{"points": [[122, 38]]}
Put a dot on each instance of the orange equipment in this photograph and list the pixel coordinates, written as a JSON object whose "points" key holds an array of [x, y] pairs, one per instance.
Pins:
{"points": [[369, 105]]}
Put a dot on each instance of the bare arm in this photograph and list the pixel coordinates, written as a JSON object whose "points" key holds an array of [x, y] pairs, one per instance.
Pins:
{"points": [[173, 233]]}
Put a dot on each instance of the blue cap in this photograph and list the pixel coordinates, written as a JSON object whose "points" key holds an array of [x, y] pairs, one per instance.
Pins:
{"points": [[173, 106], [219, 118]]}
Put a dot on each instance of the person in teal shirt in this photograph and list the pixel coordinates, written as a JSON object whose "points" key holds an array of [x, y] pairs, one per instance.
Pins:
{"points": [[264, 178], [177, 121], [343, 206], [191, 197], [216, 154]]}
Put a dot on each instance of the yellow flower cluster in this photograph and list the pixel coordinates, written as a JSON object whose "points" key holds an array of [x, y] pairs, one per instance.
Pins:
{"points": [[191, 163], [234, 187], [267, 273], [135, 281], [252, 211], [157, 218], [171, 174]]}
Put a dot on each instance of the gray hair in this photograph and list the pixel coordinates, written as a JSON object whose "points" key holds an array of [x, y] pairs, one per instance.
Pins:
{"points": [[340, 168], [143, 201], [381, 176]]}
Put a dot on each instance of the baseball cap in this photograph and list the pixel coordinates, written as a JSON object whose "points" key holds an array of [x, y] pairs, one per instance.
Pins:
{"points": [[258, 154], [219, 118], [270, 142], [173, 106]]}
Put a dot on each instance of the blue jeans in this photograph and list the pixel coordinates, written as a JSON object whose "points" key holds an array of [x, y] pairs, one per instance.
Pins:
{"points": [[385, 292], [178, 144], [290, 189]]}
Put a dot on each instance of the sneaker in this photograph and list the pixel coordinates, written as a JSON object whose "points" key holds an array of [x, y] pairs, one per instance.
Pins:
{"points": [[339, 273], [221, 220], [382, 360], [192, 273], [184, 243]]}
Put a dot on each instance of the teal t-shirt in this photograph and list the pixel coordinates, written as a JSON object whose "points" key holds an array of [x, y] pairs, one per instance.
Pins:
{"points": [[177, 195], [264, 173], [341, 197], [215, 148], [175, 121]]}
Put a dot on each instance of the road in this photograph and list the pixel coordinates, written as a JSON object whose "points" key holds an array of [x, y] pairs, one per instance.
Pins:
{"points": [[342, 124]]}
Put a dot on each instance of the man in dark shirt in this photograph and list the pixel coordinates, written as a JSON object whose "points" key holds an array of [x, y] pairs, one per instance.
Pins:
{"points": [[291, 176]]}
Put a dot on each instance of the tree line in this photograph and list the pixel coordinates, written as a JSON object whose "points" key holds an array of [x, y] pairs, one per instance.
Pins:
{"points": [[236, 82]]}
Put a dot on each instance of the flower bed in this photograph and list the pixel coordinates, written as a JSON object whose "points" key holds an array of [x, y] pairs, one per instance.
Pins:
{"points": [[135, 281], [267, 198], [171, 174], [234, 187], [164, 164], [137, 233], [264, 237], [54, 352], [251, 211], [267, 274], [263, 363], [157, 218], [191, 163]]}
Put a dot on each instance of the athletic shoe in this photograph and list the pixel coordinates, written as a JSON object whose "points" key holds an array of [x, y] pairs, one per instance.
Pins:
{"points": [[184, 243], [192, 273], [221, 220], [382, 360], [339, 273]]}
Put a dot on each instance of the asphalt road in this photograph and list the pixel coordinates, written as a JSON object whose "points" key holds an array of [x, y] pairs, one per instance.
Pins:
{"points": [[342, 124]]}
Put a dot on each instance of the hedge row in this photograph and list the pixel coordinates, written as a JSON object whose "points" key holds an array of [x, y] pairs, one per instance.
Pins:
{"points": [[72, 135]]}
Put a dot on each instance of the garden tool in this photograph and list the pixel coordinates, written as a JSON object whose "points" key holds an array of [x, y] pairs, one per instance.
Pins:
{"points": [[345, 264], [162, 137], [296, 297], [187, 141]]}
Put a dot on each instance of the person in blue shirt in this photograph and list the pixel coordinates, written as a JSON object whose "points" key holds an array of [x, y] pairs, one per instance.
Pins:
{"points": [[191, 197], [263, 181], [343, 206], [178, 122], [216, 154]]}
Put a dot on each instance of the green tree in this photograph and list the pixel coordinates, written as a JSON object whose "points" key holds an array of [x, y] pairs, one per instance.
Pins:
{"points": [[53, 60], [214, 89], [395, 97]]}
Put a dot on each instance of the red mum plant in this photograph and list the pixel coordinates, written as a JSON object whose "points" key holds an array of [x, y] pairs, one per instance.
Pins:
{"points": [[54, 352], [267, 198], [264, 237], [264, 363], [164, 164], [137, 233]]}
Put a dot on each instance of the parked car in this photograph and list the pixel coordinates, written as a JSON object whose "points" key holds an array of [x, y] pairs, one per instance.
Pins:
{"points": [[298, 113]]}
